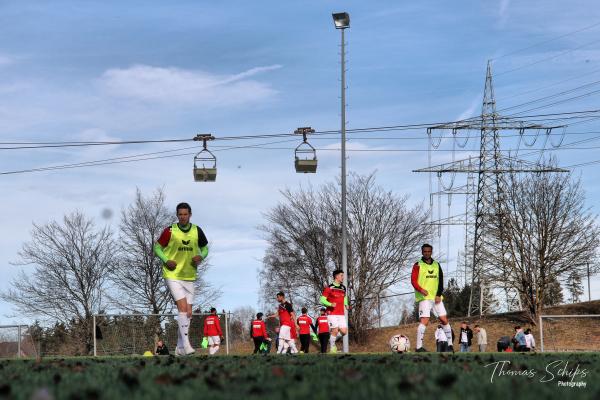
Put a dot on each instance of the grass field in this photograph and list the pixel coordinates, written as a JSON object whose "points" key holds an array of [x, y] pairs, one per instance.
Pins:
{"points": [[353, 376]]}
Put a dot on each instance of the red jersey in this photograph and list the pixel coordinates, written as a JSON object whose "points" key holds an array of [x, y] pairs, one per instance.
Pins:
{"points": [[322, 324], [259, 328], [285, 311], [304, 322], [335, 294], [212, 326]]}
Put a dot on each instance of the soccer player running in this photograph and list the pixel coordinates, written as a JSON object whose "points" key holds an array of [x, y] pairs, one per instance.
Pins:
{"points": [[287, 319], [322, 328], [305, 324], [335, 299], [182, 247], [428, 280], [212, 331]]}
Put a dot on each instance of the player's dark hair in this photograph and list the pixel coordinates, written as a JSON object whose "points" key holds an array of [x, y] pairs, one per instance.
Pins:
{"points": [[323, 309], [337, 271], [212, 310], [185, 206], [426, 246], [259, 315], [476, 326], [304, 310], [281, 294]]}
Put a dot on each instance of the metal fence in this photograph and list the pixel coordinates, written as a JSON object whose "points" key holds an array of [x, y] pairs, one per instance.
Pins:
{"points": [[123, 334], [15, 342]]}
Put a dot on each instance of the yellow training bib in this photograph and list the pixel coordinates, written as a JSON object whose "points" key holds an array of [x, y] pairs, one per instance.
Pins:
{"points": [[182, 247]]}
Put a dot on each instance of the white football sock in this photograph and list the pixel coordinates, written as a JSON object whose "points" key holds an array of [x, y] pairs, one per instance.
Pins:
{"points": [[292, 345], [283, 346], [420, 334], [179, 341], [184, 325], [332, 340]]}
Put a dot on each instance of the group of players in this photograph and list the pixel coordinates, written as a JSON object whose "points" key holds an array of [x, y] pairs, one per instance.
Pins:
{"points": [[330, 326], [182, 247]]}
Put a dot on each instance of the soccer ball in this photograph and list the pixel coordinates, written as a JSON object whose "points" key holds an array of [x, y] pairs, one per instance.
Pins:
{"points": [[399, 344]]}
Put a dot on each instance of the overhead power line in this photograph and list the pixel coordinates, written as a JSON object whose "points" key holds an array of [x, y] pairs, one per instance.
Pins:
{"points": [[546, 41], [162, 154], [40, 145]]}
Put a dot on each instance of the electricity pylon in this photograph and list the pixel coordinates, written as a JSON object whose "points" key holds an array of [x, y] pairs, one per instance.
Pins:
{"points": [[485, 206]]}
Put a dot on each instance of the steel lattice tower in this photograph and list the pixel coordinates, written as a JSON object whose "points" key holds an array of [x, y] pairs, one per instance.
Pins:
{"points": [[485, 205]]}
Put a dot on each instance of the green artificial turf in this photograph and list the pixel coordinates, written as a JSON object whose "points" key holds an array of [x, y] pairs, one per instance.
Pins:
{"points": [[353, 376]]}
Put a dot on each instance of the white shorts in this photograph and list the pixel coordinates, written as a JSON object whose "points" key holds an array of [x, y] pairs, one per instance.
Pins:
{"points": [[214, 340], [425, 307], [337, 321], [285, 332], [181, 289]]}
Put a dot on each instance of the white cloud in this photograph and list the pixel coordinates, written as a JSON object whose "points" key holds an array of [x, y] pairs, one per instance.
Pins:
{"points": [[472, 110], [179, 86], [503, 11], [6, 60]]}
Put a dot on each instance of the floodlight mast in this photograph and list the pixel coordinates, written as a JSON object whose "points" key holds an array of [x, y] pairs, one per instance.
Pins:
{"points": [[342, 22]]}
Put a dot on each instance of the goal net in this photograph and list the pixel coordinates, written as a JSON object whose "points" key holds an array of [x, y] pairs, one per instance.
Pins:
{"points": [[569, 332], [16, 342], [135, 334]]}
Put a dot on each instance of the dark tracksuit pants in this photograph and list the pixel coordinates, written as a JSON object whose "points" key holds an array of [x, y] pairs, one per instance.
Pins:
{"points": [[324, 341], [257, 342], [304, 342]]}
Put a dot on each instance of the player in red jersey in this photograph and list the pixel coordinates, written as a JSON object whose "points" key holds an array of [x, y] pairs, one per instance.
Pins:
{"points": [[258, 332], [335, 299], [287, 325], [305, 323], [212, 330], [322, 329]]}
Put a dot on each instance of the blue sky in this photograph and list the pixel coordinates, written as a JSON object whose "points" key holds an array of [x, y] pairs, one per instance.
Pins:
{"points": [[108, 70]]}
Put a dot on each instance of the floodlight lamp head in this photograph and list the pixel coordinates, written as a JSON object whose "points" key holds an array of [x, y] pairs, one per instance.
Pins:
{"points": [[341, 20]]}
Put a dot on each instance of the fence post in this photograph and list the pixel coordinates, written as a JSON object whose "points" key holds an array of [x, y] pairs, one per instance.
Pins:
{"points": [[19, 342], [227, 333], [541, 335], [94, 333], [379, 309]]}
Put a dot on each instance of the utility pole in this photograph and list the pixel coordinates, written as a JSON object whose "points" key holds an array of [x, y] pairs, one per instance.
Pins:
{"points": [[589, 290]]}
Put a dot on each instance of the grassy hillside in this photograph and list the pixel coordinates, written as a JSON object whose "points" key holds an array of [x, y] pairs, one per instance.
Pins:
{"points": [[578, 334]]}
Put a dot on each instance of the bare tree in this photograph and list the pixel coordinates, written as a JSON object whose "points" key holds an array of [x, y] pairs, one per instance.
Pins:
{"points": [[546, 231], [137, 274], [72, 263], [242, 317], [304, 236]]}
